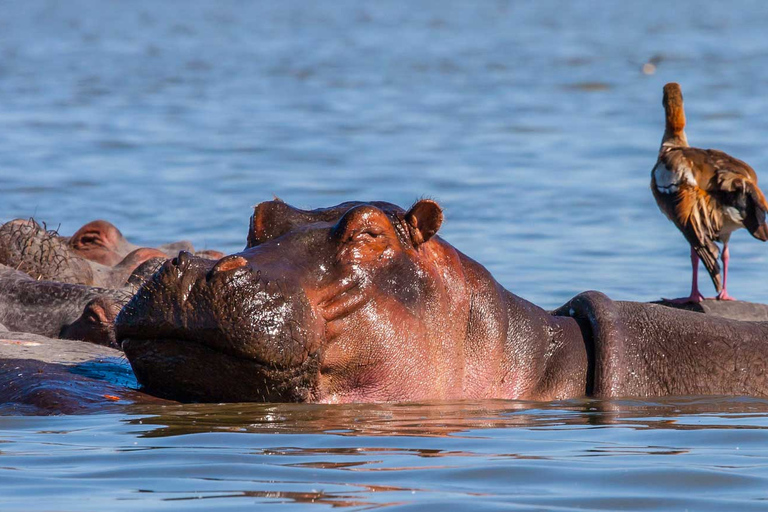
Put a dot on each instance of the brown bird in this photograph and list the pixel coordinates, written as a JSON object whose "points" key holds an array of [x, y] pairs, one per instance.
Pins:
{"points": [[707, 194]]}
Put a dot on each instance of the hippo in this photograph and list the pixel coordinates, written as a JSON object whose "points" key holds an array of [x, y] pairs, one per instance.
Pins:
{"points": [[27, 246], [363, 301], [100, 241], [60, 310]]}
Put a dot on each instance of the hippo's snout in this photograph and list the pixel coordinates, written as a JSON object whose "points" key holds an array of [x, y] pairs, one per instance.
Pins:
{"points": [[239, 314]]}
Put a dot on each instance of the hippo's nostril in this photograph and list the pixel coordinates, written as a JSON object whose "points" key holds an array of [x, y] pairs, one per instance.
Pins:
{"points": [[229, 263]]}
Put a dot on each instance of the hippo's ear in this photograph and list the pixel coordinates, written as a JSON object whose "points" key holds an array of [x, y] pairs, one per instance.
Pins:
{"points": [[272, 219], [424, 219], [96, 312], [263, 220]]}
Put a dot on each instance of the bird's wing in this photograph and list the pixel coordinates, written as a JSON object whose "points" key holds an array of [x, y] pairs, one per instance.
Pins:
{"points": [[735, 185], [692, 208]]}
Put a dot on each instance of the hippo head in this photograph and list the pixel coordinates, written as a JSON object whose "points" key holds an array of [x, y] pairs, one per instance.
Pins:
{"points": [[355, 302], [100, 241]]}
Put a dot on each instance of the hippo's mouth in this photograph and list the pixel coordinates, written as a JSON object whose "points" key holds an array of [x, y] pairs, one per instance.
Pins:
{"points": [[193, 371]]}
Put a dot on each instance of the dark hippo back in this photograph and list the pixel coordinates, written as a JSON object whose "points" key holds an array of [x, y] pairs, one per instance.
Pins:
{"points": [[641, 349]]}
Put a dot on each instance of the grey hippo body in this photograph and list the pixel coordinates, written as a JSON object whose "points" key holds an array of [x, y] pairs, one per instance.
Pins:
{"points": [[40, 375], [72, 287], [646, 350], [59, 310]]}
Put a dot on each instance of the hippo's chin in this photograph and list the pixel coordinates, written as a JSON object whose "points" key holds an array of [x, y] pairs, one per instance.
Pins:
{"points": [[189, 371]]}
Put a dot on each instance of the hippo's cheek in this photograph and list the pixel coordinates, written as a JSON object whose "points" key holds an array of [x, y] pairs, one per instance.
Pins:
{"points": [[380, 352]]}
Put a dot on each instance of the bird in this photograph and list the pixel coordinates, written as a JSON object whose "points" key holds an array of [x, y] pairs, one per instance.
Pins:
{"points": [[707, 194]]}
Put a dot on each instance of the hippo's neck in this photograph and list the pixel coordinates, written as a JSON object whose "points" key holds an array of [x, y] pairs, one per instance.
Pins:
{"points": [[547, 352], [518, 350]]}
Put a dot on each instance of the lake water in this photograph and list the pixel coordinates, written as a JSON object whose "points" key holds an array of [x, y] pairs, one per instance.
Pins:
{"points": [[535, 127]]}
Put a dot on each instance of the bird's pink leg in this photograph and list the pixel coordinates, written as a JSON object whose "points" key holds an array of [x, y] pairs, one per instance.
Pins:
{"points": [[695, 295], [723, 295]]}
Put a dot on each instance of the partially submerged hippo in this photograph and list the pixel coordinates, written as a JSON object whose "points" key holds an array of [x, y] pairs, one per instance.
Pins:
{"points": [[59, 310], [96, 255], [29, 247], [362, 302], [102, 242]]}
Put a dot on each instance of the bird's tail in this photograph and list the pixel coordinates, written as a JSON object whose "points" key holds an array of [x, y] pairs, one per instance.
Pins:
{"points": [[757, 207], [699, 229], [708, 253]]}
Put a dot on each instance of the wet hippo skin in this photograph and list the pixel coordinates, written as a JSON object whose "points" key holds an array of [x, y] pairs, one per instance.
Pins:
{"points": [[363, 302]]}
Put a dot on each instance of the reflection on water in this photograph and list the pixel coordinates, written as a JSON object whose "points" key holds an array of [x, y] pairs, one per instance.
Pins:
{"points": [[697, 453], [440, 419]]}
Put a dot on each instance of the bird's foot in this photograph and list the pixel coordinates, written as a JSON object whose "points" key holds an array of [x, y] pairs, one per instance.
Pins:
{"points": [[723, 295], [693, 298]]}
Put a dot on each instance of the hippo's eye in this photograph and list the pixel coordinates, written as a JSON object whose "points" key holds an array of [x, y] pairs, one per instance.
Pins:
{"points": [[366, 235], [91, 240]]}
